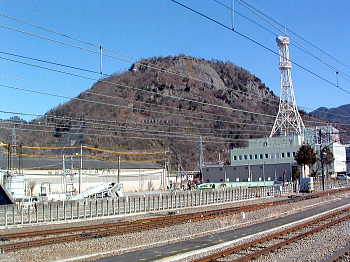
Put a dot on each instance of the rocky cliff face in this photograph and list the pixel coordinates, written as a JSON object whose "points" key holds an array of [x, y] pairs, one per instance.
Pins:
{"points": [[140, 102]]}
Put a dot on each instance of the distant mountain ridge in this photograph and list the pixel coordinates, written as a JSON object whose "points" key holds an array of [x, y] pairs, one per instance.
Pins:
{"points": [[336, 114]]}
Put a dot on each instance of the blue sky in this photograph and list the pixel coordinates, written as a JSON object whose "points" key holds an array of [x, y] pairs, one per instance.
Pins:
{"points": [[143, 29]]}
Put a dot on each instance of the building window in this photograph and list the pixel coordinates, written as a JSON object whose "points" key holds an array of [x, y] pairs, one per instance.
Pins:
{"points": [[288, 154], [260, 178], [240, 157], [237, 179], [261, 156], [282, 155], [250, 157], [293, 154], [245, 157], [269, 178], [234, 157], [256, 157], [266, 156]]}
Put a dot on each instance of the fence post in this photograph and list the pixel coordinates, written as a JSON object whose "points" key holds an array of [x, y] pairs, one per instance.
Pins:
{"points": [[78, 209], [21, 210], [50, 210], [64, 209], [90, 208], [6, 215], [36, 214], [118, 205]]}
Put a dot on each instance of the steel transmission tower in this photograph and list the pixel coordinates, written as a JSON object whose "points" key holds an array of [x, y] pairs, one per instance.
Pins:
{"points": [[288, 119]]}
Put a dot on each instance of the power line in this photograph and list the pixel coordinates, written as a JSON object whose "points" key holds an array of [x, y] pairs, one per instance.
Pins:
{"points": [[124, 137], [294, 33], [103, 122], [90, 70], [127, 129], [121, 106], [135, 88], [98, 52], [259, 44], [96, 45], [268, 20], [87, 70]]}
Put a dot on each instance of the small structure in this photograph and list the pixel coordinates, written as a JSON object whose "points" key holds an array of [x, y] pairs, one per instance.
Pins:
{"points": [[5, 197]]}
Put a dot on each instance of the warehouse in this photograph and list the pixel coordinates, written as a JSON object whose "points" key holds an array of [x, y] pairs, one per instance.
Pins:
{"points": [[47, 176]]}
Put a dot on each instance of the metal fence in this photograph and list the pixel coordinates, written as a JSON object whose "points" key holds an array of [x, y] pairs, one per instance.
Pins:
{"points": [[46, 212]]}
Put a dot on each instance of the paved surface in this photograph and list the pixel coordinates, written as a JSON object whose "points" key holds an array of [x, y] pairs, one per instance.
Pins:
{"points": [[156, 253]]}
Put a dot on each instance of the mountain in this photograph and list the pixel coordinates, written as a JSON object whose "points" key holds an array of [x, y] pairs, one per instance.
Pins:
{"points": [[337, 114], [140, 103]]}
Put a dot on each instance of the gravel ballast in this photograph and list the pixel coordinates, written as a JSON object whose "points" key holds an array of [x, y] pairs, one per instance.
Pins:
{"points": [[162, 236]]}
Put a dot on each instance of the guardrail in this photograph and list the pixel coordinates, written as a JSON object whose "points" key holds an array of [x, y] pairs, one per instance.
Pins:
{"points": [[46, 212]]}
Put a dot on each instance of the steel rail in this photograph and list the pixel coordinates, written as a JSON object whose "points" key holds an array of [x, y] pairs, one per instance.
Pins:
{"points": [[118, 228], [339, 254], [279, 235]]}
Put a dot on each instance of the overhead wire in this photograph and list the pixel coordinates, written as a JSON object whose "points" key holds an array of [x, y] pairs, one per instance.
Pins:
{"points": [[120, 106], [296, 34], [98, 45], [145, 131], [295, 43], [75, 67], [104, 122], [113, 83], [127, 137], [135, 88], [260, 44]]}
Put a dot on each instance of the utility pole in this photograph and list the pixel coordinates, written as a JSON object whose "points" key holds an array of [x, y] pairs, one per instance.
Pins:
{"points": [[101, 57], [233, 15], [14, 146], [321, 156], [118, 177], [8, 158], [200, 153], [81, 166], [20, 160]]}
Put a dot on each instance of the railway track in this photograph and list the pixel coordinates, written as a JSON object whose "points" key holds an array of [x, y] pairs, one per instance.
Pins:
{"points": [[268, 244], [17, 241], [342, 254]]}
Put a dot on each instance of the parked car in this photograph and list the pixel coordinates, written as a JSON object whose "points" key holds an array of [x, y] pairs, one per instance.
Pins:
{"points": [[343, 177], [28, 202]]}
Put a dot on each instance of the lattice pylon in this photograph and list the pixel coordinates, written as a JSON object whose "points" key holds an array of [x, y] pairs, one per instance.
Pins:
{"points": [[288, 120]]}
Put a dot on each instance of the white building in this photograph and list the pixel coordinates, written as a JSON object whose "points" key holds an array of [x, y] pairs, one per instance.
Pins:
{"points": [[271, 150], [282, 149]]}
